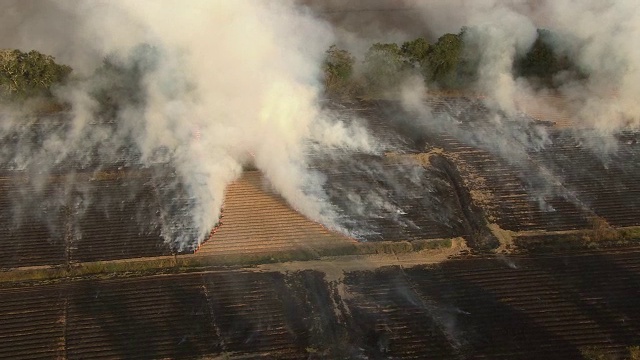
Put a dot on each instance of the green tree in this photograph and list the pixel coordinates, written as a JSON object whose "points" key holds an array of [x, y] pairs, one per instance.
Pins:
{"points": [[543, 62], [119, 82], [540, 60], [383, 66], [338, 71], [29, 74], [441, 63], [415, 51]]}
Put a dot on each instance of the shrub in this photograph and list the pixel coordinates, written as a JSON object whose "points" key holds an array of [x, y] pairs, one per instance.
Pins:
{"points": [[338, 71], [383, 67]]}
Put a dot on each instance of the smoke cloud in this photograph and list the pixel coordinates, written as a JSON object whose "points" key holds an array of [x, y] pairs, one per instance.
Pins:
{"points": [[598, 36], [215, 86]]}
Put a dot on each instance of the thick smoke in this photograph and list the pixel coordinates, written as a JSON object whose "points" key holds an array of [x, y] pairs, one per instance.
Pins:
{"points": [[358, 24], [606, 31], [221, 85], [597, 36]]}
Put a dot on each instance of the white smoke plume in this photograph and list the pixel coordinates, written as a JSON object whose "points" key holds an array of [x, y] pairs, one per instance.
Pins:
{"points": [[233, 83], [599, 36], [607, 31]]}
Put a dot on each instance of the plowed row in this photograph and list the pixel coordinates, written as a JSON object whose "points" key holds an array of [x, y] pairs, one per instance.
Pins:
{"points": [[508, 200], [514, 308], [121, 218], [581, 185], [608, 185], [553, 307], [396, 201], [87, 221], [556, 188], [256, 220], [30, 234], [116, 218], [165, 317]]}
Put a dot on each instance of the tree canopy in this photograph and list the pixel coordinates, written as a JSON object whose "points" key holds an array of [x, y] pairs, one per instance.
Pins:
{"points": [[543, 62], [338, 70], [415, 51], [451, 62], [382, 65], [29, 74], [443, 58], [119, 82]]}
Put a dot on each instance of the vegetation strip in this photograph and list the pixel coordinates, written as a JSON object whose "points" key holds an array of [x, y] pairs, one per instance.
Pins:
{"points": [[187, 263], [601, 236]]}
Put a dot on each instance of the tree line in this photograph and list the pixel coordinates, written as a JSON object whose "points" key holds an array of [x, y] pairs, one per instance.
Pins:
{"points": [[452, 62], [117, 82]]}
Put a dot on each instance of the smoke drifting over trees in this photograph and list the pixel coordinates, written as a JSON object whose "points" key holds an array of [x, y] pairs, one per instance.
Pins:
{"points": [[597, 36], [452, 62], [247, 77]]}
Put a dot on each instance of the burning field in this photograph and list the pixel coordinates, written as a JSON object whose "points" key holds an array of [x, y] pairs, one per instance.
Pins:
{"points": [[203, 181], [431, 184], [563, 201]]}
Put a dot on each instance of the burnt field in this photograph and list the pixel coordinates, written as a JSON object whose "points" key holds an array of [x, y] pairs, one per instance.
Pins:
{"points": [[557, 188], [525, 174], [85, 216], [547, 296], [560, 306], [394, 198], [441, 178]]}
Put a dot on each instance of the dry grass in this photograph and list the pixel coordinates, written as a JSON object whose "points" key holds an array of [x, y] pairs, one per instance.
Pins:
{"points": [[423, 159], [600, 236], [188, 263], [601, 230], [596, 353]]}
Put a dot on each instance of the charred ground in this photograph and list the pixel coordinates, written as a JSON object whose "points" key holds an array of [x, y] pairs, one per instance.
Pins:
{"points": [[544, 261]]}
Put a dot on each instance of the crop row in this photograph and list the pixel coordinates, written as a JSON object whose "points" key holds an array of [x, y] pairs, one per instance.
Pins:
{"points": [[555, 306]]}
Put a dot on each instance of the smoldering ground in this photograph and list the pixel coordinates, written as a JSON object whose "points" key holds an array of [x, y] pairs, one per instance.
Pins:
{"points": [[597, 96], [209, 87]]}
